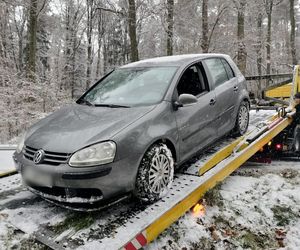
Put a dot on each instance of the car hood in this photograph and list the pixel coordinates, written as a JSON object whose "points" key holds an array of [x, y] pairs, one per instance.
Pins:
{"points": [[76, 126]]}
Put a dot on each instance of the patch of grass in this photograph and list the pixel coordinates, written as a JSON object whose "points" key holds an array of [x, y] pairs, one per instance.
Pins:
{"points": [[253, 240], [203, 243], [289, 173], [174, 232], [220, 222], [213, 196], [77, 221], [283, 215]]}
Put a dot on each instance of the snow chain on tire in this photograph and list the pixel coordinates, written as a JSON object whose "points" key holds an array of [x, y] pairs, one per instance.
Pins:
{"points": [[143, 188]]}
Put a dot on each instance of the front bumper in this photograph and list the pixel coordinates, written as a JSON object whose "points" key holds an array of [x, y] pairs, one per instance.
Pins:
{"points": [[63, 183]]}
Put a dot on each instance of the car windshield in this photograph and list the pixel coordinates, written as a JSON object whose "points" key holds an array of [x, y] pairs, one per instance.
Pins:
{"points": [[131, 87]]}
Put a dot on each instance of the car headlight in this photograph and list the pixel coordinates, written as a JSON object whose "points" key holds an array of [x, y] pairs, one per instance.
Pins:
{"points": [[21, 144], [97, 154]]}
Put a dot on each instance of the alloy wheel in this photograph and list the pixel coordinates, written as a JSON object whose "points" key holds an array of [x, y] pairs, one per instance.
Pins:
{"points": [[243, 118], [159, 174]]}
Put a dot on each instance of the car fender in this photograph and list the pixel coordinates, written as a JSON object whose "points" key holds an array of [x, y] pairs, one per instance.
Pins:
{"points": [[157, 125]]}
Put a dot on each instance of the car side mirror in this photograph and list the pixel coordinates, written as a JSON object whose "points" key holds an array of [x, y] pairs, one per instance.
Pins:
{"points": [[185, 99]]}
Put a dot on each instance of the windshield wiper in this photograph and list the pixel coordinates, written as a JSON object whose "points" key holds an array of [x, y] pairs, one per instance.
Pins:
{"points": [[83, 101], [111, 105]]}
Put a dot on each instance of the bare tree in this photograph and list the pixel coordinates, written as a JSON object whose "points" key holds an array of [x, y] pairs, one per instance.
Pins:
{"points": [[32, 30], [100, 30], [293, 30], [132, 30], [259, 43], [204, 44], [209, 29], [20, 30], [89, 30], [241, 53], [170, 26], [269, 6], [32, 37]]}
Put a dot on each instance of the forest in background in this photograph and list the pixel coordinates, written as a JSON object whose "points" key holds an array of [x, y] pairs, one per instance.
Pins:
{"points": [[51, 51]]}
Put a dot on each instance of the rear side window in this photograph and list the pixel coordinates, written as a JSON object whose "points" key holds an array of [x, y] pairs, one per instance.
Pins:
{"points": [[228, 69], [217, 70]]}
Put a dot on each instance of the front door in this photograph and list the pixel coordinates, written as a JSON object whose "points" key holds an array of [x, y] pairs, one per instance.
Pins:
{"points": [[195, 122]]}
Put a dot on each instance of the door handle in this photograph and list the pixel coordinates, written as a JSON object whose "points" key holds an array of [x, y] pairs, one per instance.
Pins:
{"points": [[212, 102], [235, 88]]}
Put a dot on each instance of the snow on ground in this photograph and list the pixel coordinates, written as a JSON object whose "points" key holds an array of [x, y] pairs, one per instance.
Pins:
{"points": [[251, 209], [6, 161]]}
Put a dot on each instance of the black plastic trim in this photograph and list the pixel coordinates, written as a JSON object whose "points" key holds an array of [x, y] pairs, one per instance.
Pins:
{"points": [[86, 175]]}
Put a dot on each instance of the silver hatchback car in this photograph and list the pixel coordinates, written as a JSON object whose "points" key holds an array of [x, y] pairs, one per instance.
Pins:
{"points": [[130, 130]]}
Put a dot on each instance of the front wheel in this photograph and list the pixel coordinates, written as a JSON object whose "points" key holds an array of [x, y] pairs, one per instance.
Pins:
{"points": [[155, 173], [242, 119]]}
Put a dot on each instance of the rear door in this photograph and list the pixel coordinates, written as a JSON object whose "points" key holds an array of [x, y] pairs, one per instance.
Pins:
{"points": [[226, 89], [195, 122]]}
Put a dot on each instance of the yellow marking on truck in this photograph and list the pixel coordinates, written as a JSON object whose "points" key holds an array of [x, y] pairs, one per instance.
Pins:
{"points": [[280, 92], [219, 156], [10, 172]]}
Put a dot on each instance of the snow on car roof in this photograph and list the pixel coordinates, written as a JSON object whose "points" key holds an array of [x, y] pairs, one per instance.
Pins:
{"points": [[176, 60]]}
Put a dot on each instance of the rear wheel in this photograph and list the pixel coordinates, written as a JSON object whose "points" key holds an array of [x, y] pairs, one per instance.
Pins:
{"points": [[155, 173], [242, 119]]}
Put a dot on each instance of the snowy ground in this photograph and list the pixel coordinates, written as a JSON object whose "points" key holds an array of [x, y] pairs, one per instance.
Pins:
{"points": [[258, 207], [6, 161]]}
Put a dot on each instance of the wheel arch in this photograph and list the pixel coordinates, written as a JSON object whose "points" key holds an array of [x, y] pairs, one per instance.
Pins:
{"points": [[245, 99], [169, 144]]}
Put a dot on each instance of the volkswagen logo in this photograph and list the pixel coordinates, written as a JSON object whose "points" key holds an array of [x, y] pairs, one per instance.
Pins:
{"points": [[38, 156]]}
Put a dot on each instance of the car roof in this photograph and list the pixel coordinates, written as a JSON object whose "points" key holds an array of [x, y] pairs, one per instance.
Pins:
{"points": [[177, 60]]}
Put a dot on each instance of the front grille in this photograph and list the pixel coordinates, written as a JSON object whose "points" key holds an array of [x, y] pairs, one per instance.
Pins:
{"points": [[51, 158]]}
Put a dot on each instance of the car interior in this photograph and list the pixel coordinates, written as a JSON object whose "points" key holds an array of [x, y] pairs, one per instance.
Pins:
{"points": [[193, 81]]}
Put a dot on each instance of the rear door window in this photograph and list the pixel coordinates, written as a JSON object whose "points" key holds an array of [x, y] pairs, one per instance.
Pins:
{"points": [[228, 69], [217, 71]]}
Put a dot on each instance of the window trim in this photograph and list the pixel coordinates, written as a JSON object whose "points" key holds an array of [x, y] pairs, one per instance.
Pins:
{"points": [[205, 78], [220, 58], [233, 73]]}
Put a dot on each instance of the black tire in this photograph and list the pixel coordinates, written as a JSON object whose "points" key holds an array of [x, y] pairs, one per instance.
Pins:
{"points": [[242, 119], [149, 188]]}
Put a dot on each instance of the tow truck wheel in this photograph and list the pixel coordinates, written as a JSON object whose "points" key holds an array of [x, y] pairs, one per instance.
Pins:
{"points": [[242, 119], [155, 173]]}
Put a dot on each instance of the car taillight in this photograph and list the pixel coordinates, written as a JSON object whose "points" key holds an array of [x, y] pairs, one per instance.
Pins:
{"points": [[278, 146]]}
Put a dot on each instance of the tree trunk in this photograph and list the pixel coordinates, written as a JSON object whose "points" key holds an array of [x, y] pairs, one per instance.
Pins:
{"points": [[268, 45], [32, 30], [286, 49], [68, 49], [89, 4], [269, 9], [259, 52], [132, 31], [170, 24], [293, 30], [242, 54], [204, 44], [100, 33]]}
